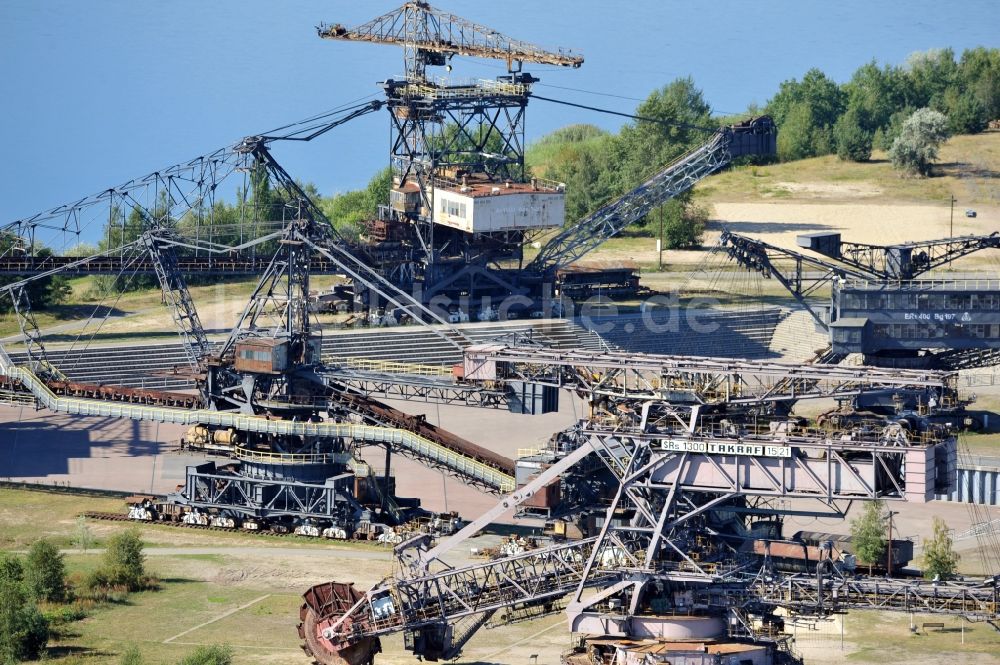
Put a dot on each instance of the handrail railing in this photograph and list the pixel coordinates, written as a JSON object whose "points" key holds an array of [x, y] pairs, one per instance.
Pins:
{"points": [[959, 284]]}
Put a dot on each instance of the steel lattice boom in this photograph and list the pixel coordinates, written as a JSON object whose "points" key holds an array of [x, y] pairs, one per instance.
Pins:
{"points": [[430, 35], [753, 137]]}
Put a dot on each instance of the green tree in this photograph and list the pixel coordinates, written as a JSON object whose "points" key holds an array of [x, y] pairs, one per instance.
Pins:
{"points": [[823, 97], [347, 212], [868, 533], [940, 558], [854, 142], [795, 135], [11, 568], [806, 111], [577, 156], [965, 113], [979, 73], [45, 572], [124, 562], [917, 145], [930, 74], [42, 292], [876, 93], [211, 654], [23, 629], [585, 180], [678, 113]]}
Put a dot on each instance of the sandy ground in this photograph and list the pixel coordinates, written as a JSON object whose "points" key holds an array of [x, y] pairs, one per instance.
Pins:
{"points": [[778, 223]]}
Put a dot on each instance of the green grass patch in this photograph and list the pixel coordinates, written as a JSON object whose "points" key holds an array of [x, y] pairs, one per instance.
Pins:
{"points": [[28, 515], [883, 637], [977, 443], [965, 169]]}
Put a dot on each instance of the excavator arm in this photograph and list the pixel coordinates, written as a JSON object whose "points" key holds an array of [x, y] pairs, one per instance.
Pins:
{"points": [[756, 136]]}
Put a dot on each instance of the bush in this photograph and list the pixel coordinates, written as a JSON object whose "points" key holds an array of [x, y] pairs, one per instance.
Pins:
{"points": [[684, 227], [131, 656], [853, 142], [123, 565], [11, 569], [83, 537], [65, 614], [45, 572], [917, 144], [23, 630], [214, 654]]}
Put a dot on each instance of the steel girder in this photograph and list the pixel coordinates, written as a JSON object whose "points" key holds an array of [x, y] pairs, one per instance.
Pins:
{"points": [[178, 297], [976, 600], [414, 388], [576, 240], [637, 376], [263, 497], [822, 467]]}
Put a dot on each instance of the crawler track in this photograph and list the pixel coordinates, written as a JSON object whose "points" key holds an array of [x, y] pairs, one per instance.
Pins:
{"points": [[121, 517]]}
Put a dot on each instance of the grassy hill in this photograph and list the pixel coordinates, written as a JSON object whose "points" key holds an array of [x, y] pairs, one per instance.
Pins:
{"points": [[968, 169], [562, 146]]}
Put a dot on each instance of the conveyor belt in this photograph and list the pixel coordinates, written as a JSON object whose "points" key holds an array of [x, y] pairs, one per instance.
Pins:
{"points": [[384, 415], [418, 446]]}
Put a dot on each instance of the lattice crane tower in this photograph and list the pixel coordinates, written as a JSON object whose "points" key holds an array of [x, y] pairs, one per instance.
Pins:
{"points": [[460, 189]]}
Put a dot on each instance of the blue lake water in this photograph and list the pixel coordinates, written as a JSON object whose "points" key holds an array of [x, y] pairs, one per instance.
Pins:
{"points": [[97, 92]]}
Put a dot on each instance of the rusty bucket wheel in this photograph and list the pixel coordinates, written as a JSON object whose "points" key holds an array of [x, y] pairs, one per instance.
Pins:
{"points": [[324, 604]]}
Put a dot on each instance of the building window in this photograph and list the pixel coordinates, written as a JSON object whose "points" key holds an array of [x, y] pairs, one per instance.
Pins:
{"points": [[453, 208], [251, 354]]}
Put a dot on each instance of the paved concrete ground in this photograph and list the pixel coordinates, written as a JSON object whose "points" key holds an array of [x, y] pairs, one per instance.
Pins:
{"points": [[107, 453]]}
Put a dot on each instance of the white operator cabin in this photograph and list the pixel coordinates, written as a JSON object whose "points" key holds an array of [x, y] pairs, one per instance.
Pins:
{"points": [[497, 207]]}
